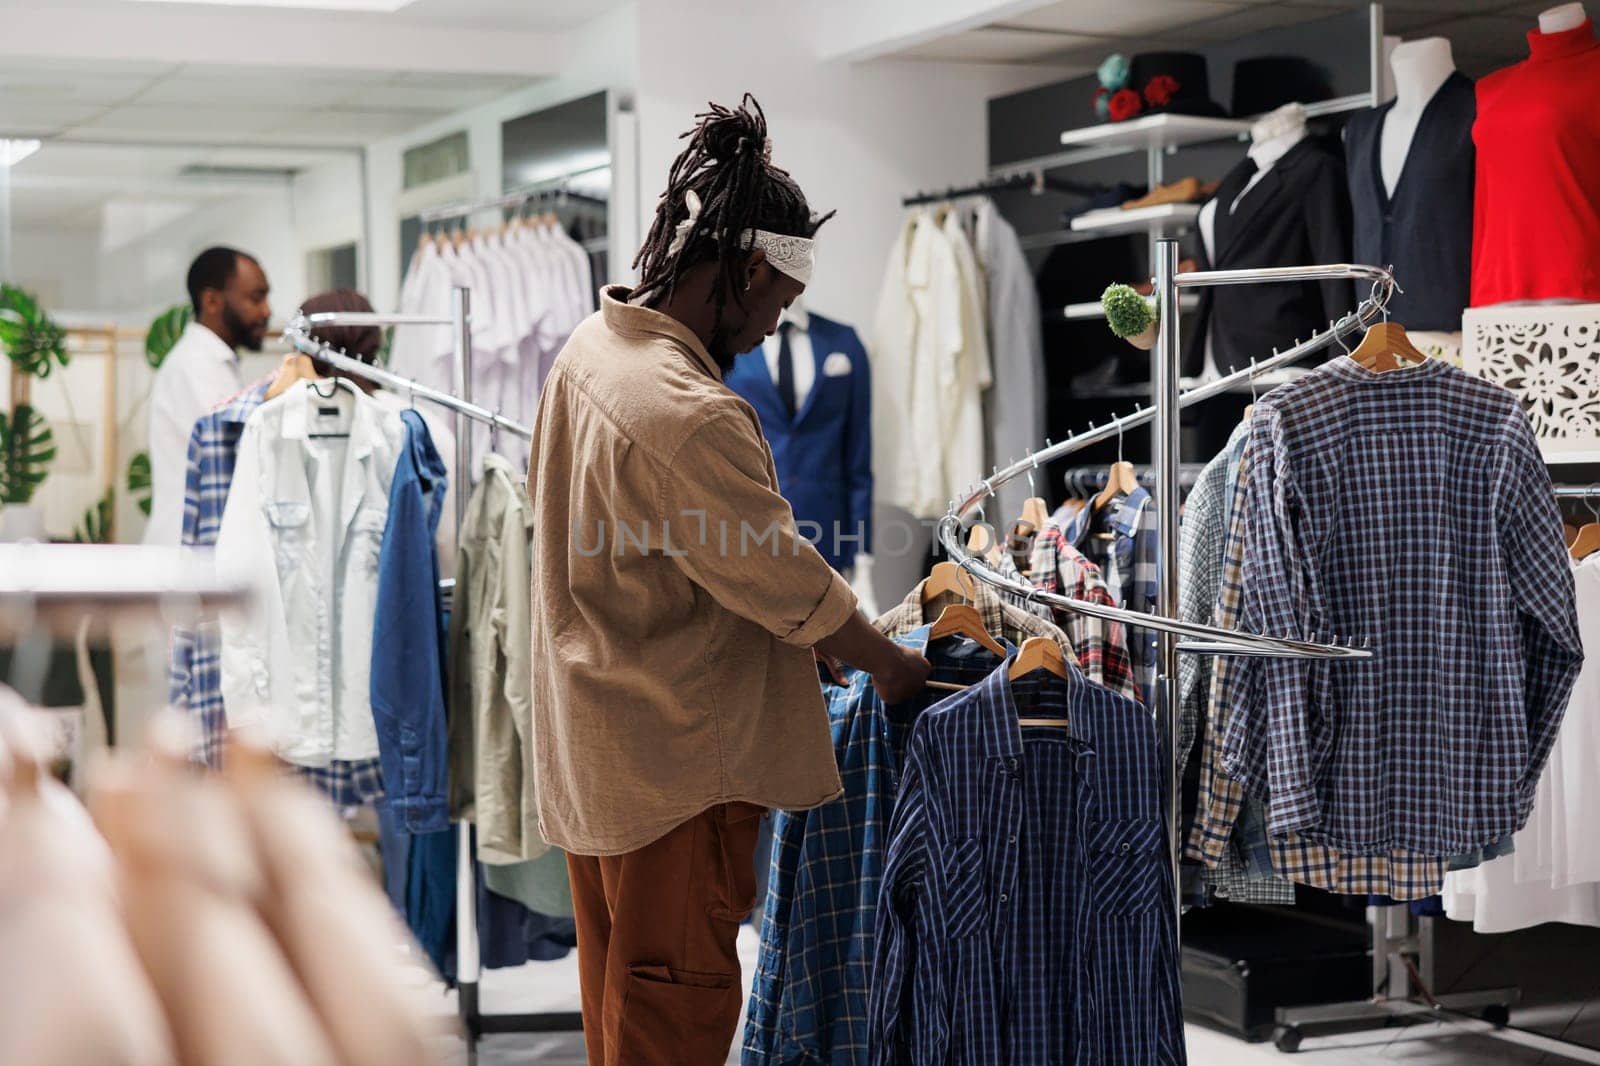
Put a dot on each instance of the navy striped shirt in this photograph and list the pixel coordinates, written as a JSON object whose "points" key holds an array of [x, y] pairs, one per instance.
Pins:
{"points": [[1026, 913]]}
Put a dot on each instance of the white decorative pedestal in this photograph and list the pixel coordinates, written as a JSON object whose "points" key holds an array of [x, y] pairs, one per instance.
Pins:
{"points": [[1549, 355]]}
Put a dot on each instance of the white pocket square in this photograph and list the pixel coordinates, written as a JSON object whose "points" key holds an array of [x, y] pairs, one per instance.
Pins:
{"points": [[836, 365]]}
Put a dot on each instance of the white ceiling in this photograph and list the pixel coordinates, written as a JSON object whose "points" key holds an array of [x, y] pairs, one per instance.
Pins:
{"points": [[519, 15], [1077, 34], [82, 99]]}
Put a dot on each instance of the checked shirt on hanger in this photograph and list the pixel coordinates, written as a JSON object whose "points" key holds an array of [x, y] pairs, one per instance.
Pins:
{"points": [[809, 999], [1126, 555], [1412, 508]]}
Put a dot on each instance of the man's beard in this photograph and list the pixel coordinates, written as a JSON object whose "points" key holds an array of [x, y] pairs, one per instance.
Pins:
{"points": [[720, 349], [240, 334]]}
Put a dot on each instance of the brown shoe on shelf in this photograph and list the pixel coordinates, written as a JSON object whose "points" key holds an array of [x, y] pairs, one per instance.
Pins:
{"points": [[1183, 191], [1145, 288]]}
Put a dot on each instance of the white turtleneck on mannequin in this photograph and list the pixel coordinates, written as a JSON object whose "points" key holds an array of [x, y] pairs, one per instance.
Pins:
{"points": [[1270, 140], [1563, 18], [1420, 68]]}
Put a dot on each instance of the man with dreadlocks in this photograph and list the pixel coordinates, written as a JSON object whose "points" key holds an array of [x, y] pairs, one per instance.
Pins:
{"points": [[675, 606]]}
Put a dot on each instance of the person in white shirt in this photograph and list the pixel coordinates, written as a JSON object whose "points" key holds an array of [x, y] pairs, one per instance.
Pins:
{"points": [[228, 291]]}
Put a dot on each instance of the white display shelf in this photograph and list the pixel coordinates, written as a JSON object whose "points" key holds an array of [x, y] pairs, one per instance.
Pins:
{"points": [[1186, 302], [1154, 131], [1162, 218]]}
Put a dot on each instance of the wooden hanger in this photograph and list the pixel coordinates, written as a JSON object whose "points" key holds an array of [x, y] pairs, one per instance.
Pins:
{"points": [[295, 368], [1035, 512], [1383, 343], [963, 620], [1121, 479], [947, 579], [1039, 653], [982, 542], [1586, 543]]}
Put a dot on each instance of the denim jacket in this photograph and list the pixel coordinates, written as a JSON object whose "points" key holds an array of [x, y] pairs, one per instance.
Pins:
{"points": [[315, 504], [408, 639]]}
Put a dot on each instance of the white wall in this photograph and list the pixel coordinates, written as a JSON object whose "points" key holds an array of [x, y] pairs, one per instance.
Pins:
{"points": [[857, 137], [605, 56], [326, 202]]}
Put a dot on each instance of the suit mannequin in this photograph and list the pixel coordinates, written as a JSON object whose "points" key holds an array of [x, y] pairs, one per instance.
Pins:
{"points": [[1285, 205], [1420, 68]]}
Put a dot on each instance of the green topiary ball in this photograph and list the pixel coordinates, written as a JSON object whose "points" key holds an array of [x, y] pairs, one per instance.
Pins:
{"points": [[1127, 313]]}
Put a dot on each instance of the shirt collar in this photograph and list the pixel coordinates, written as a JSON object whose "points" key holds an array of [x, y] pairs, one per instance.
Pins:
{"points": [[632, 320], [1576, 41], [202, 339], [1125, 519], [798, 316]]}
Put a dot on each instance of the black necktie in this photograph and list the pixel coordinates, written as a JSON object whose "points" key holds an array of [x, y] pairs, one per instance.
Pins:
{"points": [[786, 369]]}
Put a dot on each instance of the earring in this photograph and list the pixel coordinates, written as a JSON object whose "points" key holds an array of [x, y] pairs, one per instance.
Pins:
{"points": [[747, 282]]}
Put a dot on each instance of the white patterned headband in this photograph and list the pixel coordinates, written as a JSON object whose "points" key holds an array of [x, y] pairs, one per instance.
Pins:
{"points": [[787, 254]]}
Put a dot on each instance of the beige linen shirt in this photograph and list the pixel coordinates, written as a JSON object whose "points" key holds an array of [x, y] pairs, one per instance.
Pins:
{"points": [[673, 598]]}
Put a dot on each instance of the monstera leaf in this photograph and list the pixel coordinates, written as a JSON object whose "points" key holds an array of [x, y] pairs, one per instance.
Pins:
{"points": [[139, 481], [30, 339], [164, 333], [26, 448], [95, 526]]}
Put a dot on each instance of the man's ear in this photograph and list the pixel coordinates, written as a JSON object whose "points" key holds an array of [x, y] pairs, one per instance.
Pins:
{"points": [[752, 267]]}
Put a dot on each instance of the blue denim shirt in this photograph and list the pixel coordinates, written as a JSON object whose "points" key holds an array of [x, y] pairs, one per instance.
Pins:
{"points": [[408, 639]]}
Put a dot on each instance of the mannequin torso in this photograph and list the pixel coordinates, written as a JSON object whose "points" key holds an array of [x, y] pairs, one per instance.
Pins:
{"points": [[1420, 68], [1270, 138]]}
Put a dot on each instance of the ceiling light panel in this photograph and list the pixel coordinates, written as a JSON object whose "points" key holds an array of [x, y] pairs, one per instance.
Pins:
{"points": [[382, 7]]}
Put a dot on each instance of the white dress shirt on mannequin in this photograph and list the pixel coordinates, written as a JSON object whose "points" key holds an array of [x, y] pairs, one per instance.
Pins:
{"points": [[805, 364]]}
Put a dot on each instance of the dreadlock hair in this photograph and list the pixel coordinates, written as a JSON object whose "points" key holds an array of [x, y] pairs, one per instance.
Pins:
{"points": [[727, 164]]}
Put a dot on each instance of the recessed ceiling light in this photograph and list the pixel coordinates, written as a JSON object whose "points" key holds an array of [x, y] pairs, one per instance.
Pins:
{"points": [[15, 151], [383, 7]]}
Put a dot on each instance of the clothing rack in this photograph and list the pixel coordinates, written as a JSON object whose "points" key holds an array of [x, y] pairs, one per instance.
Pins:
{"points": [[1035, 181], [1394, 994], [555, 184], [1083, 481], [297, 333]]}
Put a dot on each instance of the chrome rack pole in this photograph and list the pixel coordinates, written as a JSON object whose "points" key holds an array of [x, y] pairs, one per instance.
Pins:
{"points": [[467, 963], [1166, 451]]}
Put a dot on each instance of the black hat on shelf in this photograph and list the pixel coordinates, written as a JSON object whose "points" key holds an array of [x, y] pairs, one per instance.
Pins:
{"points": [[1173, 83], [1266, 83]]}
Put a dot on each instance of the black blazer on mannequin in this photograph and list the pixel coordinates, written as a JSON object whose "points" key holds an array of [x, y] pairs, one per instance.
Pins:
{"points": [[1298, 214]]}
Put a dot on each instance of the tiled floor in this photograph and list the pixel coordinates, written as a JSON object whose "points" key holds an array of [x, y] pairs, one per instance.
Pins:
{"points": [[1558, 968]]}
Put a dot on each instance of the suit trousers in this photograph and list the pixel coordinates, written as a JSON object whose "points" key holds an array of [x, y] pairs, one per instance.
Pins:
{"points": [[658, 960]]}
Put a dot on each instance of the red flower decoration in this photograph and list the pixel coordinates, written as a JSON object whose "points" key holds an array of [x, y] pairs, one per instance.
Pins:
{"points": [[1161, 90], [1125, 104]]}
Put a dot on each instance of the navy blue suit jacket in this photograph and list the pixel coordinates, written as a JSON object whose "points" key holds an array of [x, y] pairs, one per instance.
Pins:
{"points": [[824, 455]]}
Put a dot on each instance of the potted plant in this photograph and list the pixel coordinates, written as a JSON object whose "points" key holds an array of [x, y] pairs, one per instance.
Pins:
{"points": [[1130, 316], [35, 345]]}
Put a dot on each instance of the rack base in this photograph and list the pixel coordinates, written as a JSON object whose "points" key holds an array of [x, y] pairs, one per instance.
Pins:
{"points": [[479, 1024]]}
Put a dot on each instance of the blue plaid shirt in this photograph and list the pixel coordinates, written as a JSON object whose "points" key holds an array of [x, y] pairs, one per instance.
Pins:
{"points": [[1128, 563], [194, 674], [1413, 509], [809, 999], [194, 671], [1026, 910]]}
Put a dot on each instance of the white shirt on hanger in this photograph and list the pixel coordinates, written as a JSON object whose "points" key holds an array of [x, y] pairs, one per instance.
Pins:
{"points": [[310, 511], [199, 373], [805, 363]]}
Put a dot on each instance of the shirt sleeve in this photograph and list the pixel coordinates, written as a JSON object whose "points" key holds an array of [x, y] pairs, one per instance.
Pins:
{"points": [[1548, 645], [254, 642], [891, 1011], [1269, 727], [727, 528]]}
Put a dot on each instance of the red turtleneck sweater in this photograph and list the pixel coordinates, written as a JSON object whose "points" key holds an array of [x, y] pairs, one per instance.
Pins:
{"points": [[1536, 216]]}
